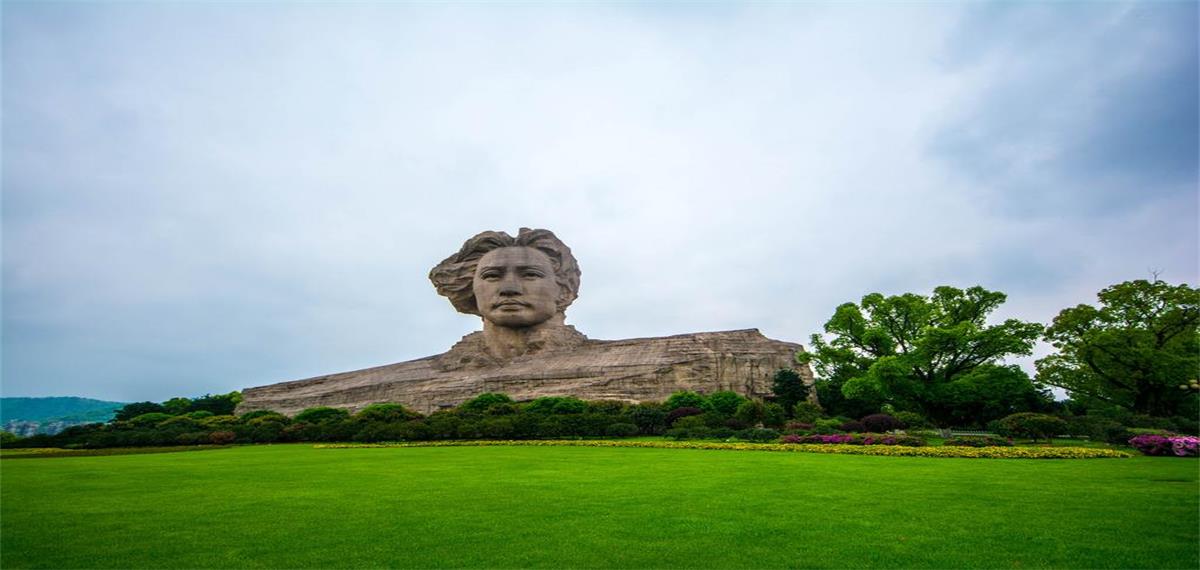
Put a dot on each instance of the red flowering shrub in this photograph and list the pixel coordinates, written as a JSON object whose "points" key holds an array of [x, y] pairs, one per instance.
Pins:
{"points": [[853, 427], [880, 423]]}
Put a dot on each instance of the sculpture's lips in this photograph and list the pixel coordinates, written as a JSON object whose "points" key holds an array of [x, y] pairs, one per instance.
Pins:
{"points": [[510, 304]]}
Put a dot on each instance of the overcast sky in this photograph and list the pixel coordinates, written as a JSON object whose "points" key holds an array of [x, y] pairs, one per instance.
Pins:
{"points": [[201, 197]]}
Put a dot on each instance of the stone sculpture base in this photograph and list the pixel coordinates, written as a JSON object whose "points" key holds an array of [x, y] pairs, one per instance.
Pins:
{"points": [[633, 370]]}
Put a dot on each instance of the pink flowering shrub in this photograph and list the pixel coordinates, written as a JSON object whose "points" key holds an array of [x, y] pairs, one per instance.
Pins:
{"points": [[1186, 445], [1177, 445]]}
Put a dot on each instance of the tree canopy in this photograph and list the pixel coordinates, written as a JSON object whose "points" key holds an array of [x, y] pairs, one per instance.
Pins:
{"points": [[1137, 350], [130, 411], [931, 355]]}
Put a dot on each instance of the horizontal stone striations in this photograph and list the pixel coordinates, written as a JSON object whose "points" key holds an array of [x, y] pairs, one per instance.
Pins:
{"points": [[633, 370]]}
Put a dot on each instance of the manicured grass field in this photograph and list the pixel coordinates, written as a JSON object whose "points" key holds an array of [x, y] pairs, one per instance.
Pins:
{"points": [[290, 506]]}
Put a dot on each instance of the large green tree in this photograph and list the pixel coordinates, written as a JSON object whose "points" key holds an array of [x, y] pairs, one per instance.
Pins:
{"points": [[1135, 350], [934, 355]]}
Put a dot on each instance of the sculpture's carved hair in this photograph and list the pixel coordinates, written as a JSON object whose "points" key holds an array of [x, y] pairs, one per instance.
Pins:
{"points": [[454, 276]]}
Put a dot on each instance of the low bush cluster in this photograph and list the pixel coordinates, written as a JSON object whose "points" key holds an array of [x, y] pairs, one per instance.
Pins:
{"points": [[1147, 431], [855, 439], [697, 430], [1032, 426], [885, 450], [1103, 425], [1167, 445], [1174, 424], [912, 420], [978, 441], [677, 414], [808, 423]]}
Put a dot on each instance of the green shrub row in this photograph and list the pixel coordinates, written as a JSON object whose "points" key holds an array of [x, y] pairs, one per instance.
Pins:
{"points": [[885, 450], [683, 416], [488, 416]]}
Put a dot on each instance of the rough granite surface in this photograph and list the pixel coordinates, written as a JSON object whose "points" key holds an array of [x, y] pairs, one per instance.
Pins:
{"points": [[632, 370]]}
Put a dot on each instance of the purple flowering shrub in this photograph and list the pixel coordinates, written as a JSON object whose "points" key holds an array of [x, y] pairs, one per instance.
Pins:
{"points": [[1168, 445], [856, 439], [1186, 446]]}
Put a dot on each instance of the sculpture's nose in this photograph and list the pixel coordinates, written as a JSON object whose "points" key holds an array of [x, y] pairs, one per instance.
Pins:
{"points": [[510, 287]]}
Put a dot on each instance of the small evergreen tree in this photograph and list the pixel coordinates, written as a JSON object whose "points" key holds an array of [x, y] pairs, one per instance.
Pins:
{"points": [[789, 388]]}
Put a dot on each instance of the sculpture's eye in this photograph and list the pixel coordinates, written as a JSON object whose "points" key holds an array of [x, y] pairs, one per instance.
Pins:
{"points": [[532, 274], [490, 275]]}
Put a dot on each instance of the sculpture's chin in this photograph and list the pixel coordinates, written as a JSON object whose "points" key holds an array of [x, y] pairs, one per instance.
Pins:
{"points": [[517, 322], [518, 317]]}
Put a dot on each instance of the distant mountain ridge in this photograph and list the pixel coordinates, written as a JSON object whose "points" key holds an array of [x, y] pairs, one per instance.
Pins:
{"points": [[27, 416]]}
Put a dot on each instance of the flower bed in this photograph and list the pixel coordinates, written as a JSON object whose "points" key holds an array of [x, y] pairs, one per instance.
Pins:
{"points": [[855, 439], [887, 450], [1167, 445]]}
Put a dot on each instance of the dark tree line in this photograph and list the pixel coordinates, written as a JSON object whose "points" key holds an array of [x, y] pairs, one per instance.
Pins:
{"points": [[183, 421]]}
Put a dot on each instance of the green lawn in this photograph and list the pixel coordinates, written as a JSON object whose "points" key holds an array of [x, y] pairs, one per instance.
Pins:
{"points": [[295, 506]]}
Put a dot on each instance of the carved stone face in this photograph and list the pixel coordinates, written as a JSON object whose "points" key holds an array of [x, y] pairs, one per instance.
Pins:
{"points": [[515, 287]]}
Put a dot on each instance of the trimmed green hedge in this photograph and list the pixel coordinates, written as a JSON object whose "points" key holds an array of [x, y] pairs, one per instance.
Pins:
{"points": [[887, 450]]}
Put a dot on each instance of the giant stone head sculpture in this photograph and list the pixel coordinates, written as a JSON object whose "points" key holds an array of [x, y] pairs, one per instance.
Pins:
{"points": [[512, 282]]}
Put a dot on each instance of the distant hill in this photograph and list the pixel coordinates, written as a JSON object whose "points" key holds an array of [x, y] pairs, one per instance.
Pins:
{"points": [[27, 416]]}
